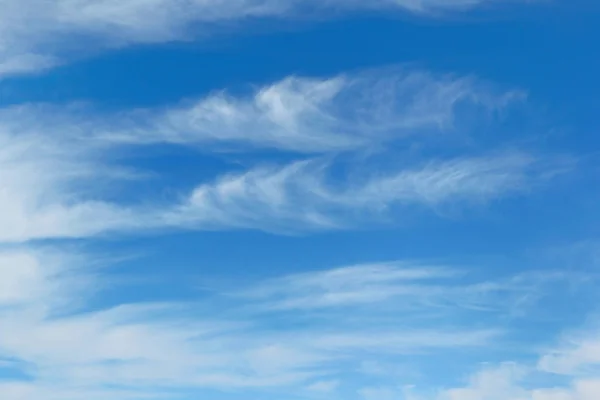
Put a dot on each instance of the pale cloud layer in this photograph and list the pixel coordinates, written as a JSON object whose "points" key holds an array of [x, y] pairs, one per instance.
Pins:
{"points": [[57, 163], [413, 285], [321, 115], [69, 350], [44, 179], [509, 381], [297, 114], [303, 193], [35, 34], [575, 361], [579, 354]]}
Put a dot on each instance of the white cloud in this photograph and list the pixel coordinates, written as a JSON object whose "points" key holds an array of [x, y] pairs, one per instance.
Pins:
{"points": [[505, 382], [303, 194], [491, 384], [71, 345], [302, 114], [351, 286], [324, 386], [44, 182], [514, 381], [70, 350], [57, 162], [510, 382], [339, 113], [33, 32], [578, 355]]}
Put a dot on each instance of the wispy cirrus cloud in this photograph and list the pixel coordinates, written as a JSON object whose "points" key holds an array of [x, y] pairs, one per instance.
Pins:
{"points": [[322, 115], [412, 285], [37, 34], [308, 115], [352, 286], [57, 162], [47, 188], [63, 342], [67, 348], [303, 194]]}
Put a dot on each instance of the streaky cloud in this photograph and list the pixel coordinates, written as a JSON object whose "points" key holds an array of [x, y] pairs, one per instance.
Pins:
{"points": [[298, 114], [58, 162], [71, 348], [37, 34], [302, 194]]}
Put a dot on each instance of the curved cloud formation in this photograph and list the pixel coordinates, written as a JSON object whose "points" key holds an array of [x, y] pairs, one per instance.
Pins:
{"points": [[300, 194], [70, 349], [57, 162]]}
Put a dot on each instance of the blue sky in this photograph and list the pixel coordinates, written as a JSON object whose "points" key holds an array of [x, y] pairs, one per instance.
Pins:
{"points": [[300, 200]]}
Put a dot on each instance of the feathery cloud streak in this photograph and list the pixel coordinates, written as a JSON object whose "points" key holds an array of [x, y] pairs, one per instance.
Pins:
{"points": [[36, 34], [302, 194], [297, 114], [55, 161], [67, 350]]}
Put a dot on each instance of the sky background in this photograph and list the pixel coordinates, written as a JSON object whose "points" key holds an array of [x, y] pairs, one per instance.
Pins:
{"points": [[299, 200]]}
